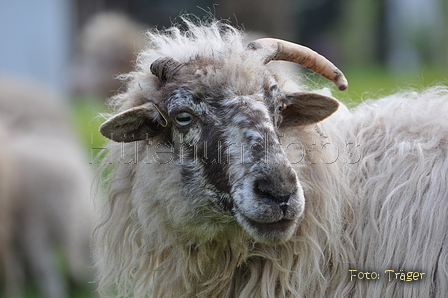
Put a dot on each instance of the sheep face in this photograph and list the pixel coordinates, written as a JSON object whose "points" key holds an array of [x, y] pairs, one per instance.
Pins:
{"points": [[227, 146]]}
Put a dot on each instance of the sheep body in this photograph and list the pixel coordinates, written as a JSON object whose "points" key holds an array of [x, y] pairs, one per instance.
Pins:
{"points": [[401, 213], [366, 209], [105, 48], [48, 203], [6, 186]]}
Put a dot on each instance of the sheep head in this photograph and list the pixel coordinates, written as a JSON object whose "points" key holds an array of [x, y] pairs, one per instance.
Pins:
{"points": [[226, 143]]}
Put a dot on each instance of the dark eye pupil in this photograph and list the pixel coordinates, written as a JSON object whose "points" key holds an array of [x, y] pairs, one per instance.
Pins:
{"points": [[183, 118]]}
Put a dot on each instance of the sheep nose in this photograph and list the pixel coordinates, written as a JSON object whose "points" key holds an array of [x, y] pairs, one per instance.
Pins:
{"points": [[279, 193]]}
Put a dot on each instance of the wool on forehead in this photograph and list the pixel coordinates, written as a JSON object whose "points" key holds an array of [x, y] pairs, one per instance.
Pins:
{"points": [[209, 39], [216, 51]]}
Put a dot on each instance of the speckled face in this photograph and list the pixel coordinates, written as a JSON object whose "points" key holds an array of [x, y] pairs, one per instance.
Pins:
{"points": [[222, 123], [229, 153]]}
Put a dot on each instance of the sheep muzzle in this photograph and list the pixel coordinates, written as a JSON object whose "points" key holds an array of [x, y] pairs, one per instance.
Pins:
{"points": [[269, 204]]}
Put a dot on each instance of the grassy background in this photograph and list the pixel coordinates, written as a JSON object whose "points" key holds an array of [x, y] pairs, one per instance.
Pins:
{"points": [[376, 82], [86, 116]]}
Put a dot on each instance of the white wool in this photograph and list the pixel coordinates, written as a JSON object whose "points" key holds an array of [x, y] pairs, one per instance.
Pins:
{"points": [[375, 186], [401, 183]]}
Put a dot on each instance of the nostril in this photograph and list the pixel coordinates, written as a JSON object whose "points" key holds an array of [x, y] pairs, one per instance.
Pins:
{"points": [[283, 206], [282, 199], [272, 192]]}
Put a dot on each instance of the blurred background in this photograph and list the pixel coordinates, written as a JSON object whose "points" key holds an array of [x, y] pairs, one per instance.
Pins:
{"points": [[58, 60]]}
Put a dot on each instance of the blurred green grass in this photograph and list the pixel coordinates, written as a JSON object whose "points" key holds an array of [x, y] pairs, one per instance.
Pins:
{"points": [[86, 119], [377, 82]]}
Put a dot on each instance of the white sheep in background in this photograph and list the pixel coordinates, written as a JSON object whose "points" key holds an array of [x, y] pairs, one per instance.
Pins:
{"points": [[6, 185], [48, 203], [105, 48], [228, 180]]}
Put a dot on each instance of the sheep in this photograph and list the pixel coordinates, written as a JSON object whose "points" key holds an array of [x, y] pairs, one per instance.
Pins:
{"points": [[228, 180], [105, 48], [48, 205], [6, 181]]}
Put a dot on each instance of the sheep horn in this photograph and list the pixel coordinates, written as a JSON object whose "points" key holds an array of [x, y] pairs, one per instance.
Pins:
{"points": [[288, 51], [165, 68]]}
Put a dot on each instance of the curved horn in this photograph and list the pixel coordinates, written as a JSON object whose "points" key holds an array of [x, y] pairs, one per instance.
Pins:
{"points": [[283, 50], [165, 68]]}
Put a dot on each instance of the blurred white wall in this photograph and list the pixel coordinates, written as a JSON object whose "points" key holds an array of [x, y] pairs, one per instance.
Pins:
{"points": [[35, 40]]}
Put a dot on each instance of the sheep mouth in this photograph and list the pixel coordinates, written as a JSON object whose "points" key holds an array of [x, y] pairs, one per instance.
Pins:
{"points": [[268, 232], [282, 224]]}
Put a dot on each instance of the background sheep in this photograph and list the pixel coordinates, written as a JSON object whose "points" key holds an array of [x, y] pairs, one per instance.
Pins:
{"points": [[6, 182], [229, 218], [48, 207], [106, 46]]}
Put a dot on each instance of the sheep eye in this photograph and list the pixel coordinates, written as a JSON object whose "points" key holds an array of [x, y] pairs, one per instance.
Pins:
{"points": [[183, 118], [282, 107]]}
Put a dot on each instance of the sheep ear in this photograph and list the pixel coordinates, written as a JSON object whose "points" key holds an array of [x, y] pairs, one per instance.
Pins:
{"points": [[304, 108], [135, 124]]}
